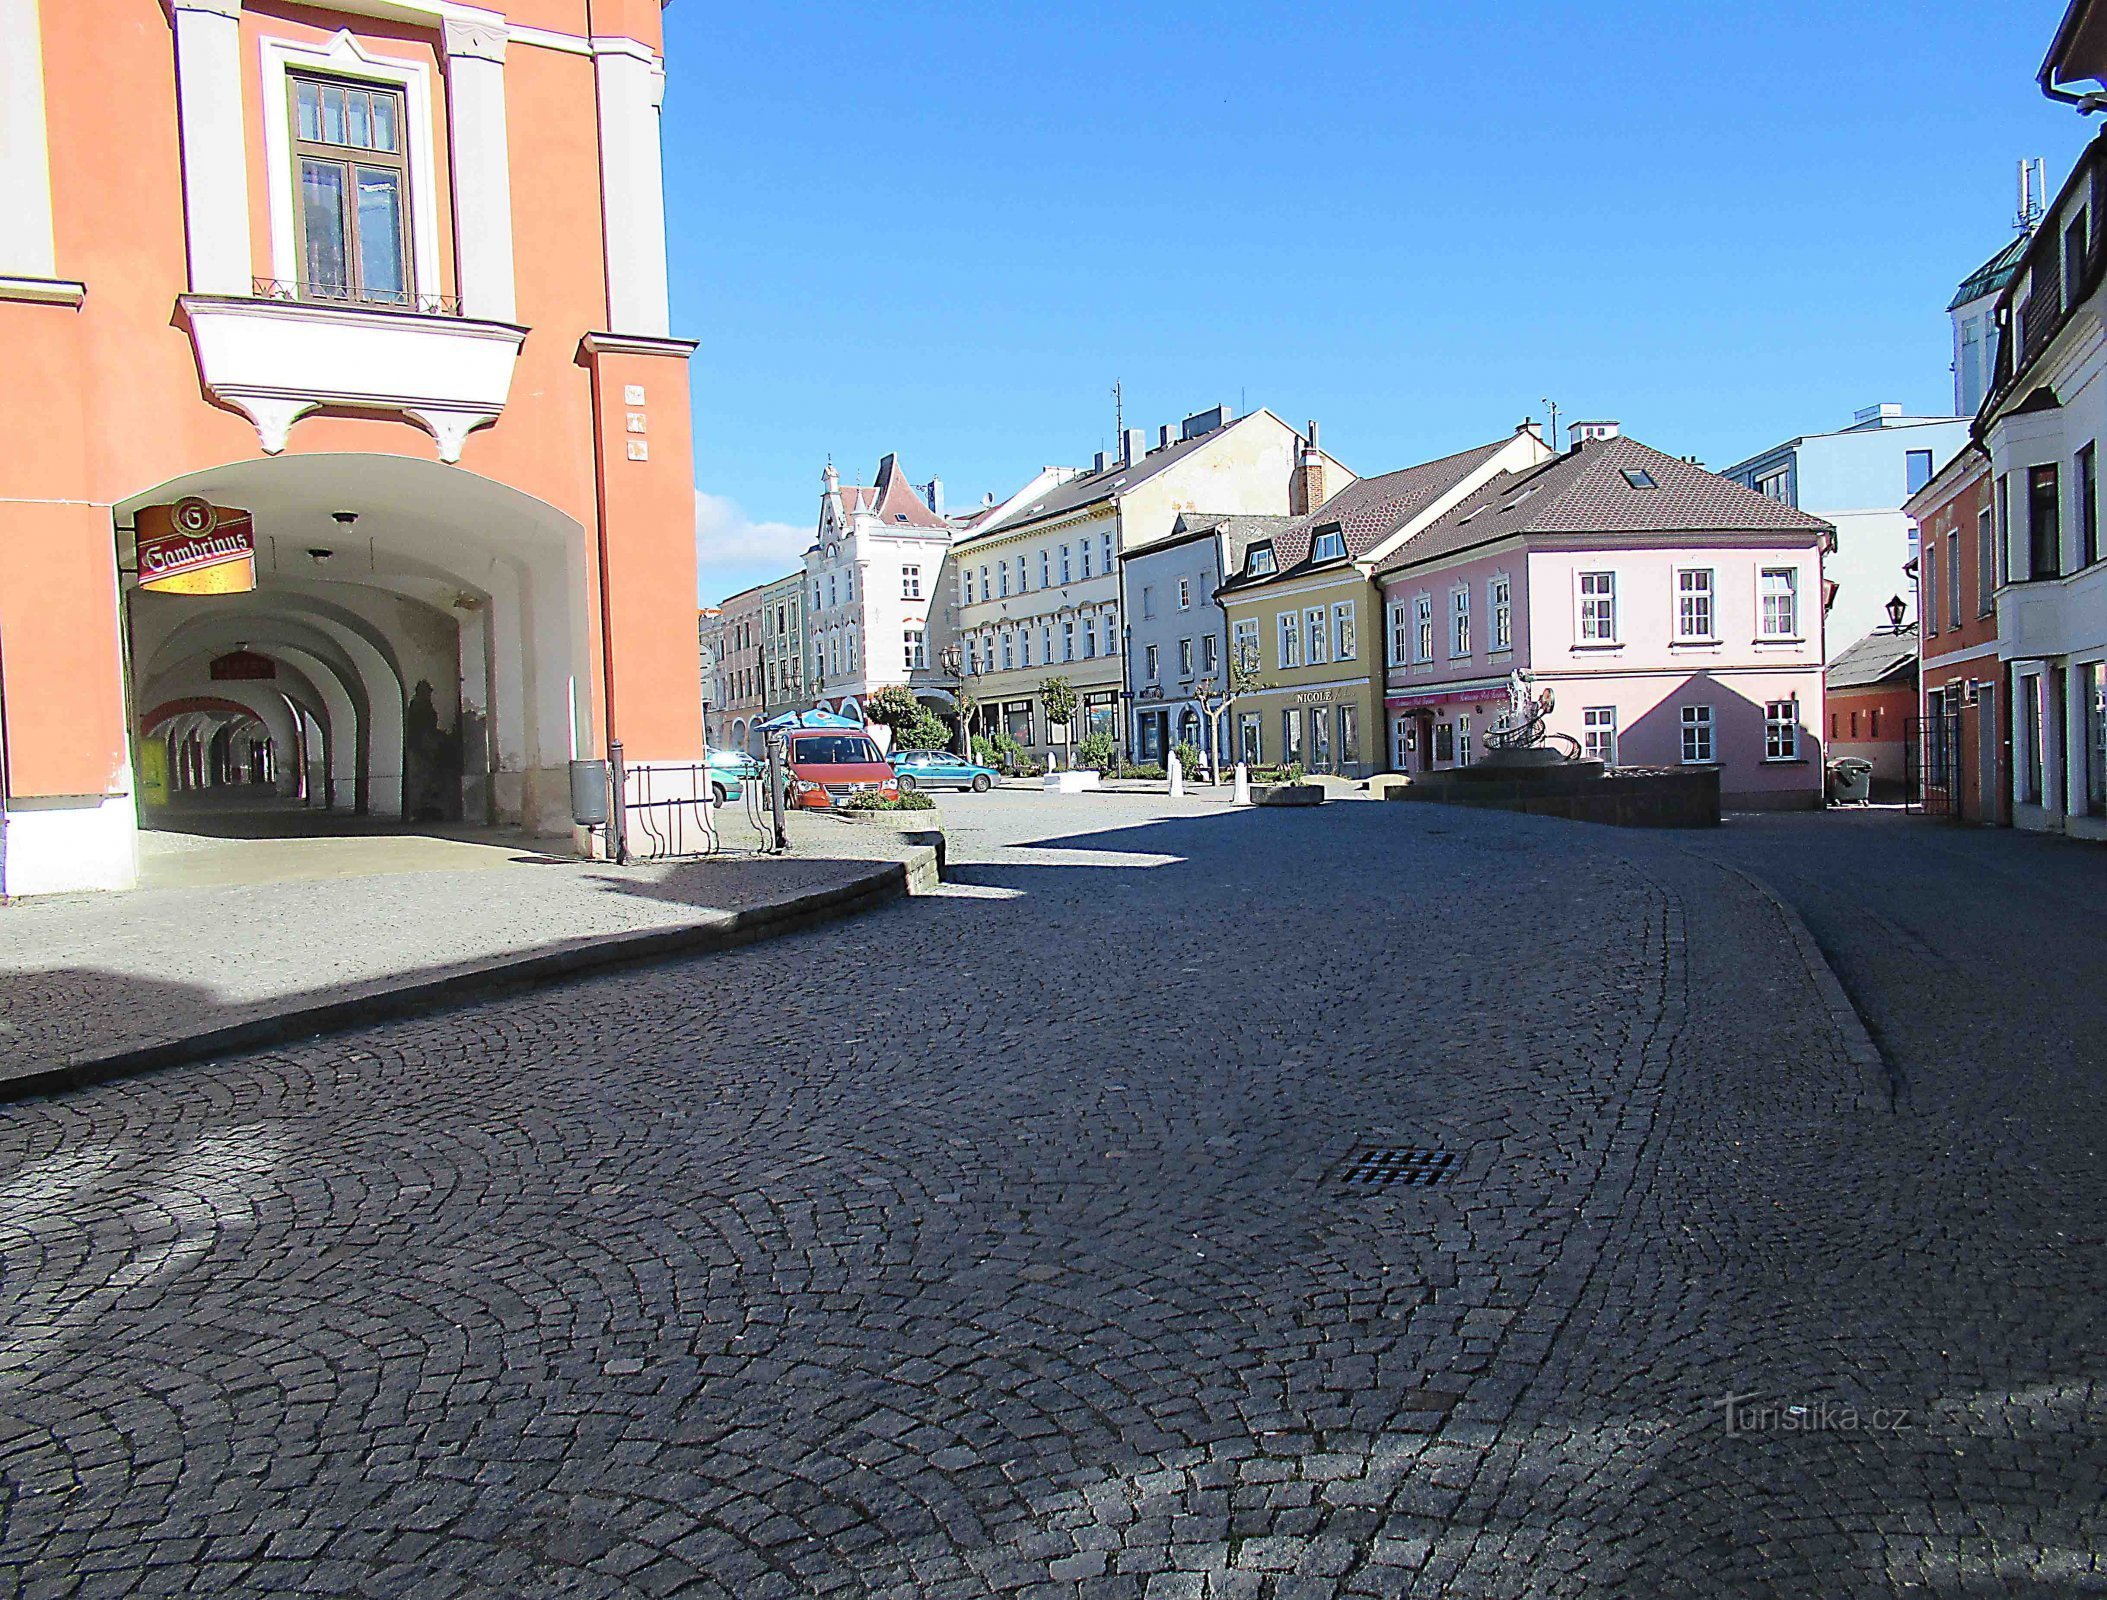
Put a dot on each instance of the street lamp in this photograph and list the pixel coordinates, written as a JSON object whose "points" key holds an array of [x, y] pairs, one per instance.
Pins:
{"points": [[1895, 607], [954, 662]]}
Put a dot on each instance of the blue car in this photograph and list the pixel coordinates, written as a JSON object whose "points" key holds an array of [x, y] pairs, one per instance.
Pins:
{"points": [[939, 769], [727, 767]]}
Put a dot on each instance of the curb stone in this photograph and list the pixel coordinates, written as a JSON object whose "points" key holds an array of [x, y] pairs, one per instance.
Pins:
{"points": [[467, 984], [1878, 1085]]}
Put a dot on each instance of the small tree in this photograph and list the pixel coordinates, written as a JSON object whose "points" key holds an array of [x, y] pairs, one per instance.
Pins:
{"points": [[1097, 750], [893, 706], [926, 731], [1058, 696], [1242, 679]]}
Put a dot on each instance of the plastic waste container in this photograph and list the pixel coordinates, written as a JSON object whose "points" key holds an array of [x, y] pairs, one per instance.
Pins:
{"points": [[1850, 781]]}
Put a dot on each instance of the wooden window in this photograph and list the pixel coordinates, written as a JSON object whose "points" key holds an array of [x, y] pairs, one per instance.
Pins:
{"points": [[354, 179]]}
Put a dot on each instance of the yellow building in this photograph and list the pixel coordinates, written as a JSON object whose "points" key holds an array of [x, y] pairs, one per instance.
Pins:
{"points": [[1304, 611]]}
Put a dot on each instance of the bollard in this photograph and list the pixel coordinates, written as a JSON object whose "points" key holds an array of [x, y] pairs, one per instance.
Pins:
{"points": [[1242, 796], [1177, 776], [778, 780]]}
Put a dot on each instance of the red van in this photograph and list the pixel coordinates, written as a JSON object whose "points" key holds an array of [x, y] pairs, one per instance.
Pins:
{"points": [[827, 765]]}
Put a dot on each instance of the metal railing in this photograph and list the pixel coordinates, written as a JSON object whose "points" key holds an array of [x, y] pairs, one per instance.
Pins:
{"points": [[340, 294]]}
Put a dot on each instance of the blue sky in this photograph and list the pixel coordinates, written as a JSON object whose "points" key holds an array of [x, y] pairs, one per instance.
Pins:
{"points": [[945, 229]]}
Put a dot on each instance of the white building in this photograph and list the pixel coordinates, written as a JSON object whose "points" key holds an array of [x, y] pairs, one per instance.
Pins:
{"points": [[869, 577]]}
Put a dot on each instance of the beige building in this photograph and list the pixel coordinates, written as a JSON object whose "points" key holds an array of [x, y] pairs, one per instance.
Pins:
{"points": [[1037, 589]]}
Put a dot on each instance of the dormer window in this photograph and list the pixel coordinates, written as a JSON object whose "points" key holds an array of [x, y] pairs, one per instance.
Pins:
{"points": [[1639, 478], [1258, 560], [1330, 545]]}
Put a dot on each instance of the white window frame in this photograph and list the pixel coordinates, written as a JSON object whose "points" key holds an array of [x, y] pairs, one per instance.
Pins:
{"points": [[1459, 622], [1045, 568], [1499, 610], [910, 583], [1699, 719], [1243, 643], [1065, 569], [1288, 628], [1185, 594], [1706, 595], [1400, 633], [1583, 601], [1152, 662], [1068, 641], [1185, 658], [1345, 636], [340, 56], [916, 647], [1316, 636], [1790, 596], [1423, 627], [1598, 734], [1781, 717]]}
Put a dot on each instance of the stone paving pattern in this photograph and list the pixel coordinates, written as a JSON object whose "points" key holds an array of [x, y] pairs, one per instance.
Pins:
{"points": [[86, 974], [993, 1244]]}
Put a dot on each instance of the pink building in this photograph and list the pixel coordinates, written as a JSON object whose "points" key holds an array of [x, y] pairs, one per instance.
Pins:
{"points": [[1677, 617]]}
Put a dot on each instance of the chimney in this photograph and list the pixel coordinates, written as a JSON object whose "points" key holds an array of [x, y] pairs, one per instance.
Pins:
{"points": [[1133, 445], [1306, 493], [933, 495], [1875, 416], [1204, 422], [1103, 461], [1578, 433], [1163, 437]]}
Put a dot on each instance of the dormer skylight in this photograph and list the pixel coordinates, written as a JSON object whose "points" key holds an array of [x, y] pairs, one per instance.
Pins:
{"points": [[1258, 560], [1330, 545], [1639, 478]]}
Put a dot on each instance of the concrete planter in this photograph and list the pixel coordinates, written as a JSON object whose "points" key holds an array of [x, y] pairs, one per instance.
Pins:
{"points": [[908, 821], [1288, 794], [1077, 780]]}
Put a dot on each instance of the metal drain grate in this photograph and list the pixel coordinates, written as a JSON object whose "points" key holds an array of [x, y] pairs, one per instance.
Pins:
{"points": [[1395, 1167]]}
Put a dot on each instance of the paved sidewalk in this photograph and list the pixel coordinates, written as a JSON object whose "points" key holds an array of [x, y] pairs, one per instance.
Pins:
{"points": [[234, 944]]}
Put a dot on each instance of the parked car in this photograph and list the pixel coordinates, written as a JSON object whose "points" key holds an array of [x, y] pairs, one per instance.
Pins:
{"points": [[940, 769], [828, 765], [728, 771]]}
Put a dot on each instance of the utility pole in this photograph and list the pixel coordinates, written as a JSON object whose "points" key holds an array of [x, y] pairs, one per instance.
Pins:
{"points": [[1552, 406], [1119, 412]]}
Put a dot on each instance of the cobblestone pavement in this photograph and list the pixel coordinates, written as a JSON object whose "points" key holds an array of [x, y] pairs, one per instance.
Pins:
{"points": [[997, 1243]]}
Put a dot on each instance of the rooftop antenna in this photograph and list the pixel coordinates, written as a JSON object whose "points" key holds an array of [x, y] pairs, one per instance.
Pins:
{"points": [[2033, 195], [1119, 410], [1552, 406]]}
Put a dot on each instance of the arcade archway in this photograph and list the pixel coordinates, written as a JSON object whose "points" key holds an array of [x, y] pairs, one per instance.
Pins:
{"points": [[415, 646]]}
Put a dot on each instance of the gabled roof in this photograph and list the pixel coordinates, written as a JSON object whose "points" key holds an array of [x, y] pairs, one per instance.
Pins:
{"points": [[1992, 275], [1368, 511], [1090, 488], [1585, 491], [1881, 657], [1238, 533], [897, 502]]}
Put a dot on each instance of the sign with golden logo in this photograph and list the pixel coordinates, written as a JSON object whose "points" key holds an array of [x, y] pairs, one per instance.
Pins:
{"points": [[195, 547]]}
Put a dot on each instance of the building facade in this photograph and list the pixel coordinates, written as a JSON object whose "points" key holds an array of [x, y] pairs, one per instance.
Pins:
{"points": [[709, 647], [1870, 692], [2040, 428], [740, 706], [1177, 635], [1962, 736], [1038, 589], [1303, 608], [354, 331], [1674, 614], [786, 670], [870, 576], [1856, 479]]}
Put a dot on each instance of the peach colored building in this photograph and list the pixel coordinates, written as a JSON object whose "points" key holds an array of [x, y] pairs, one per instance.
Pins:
{"points": [[1675, 616], [368, 299]]}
